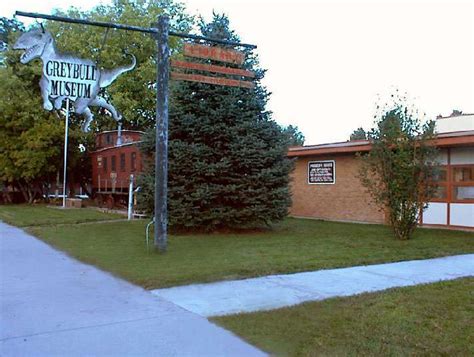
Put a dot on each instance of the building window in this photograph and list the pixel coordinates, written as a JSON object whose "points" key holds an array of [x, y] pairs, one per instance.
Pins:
{"points": [[108, 139], [105, 165], [440, 193], [113, 164], [133, 161], [440, 181], [463, 193], [463, 183], [463, 173], [459, 187], [122, 162]]}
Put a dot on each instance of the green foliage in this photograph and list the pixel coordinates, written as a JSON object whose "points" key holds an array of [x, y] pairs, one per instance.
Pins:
{"points": [[7, 28], [227, 157], [31, 139], [398, 170], [358, 134], [294, 135]]}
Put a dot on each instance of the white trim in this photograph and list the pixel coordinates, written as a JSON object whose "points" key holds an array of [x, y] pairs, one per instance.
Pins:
{"points": [[322, 183], [131, 143]]}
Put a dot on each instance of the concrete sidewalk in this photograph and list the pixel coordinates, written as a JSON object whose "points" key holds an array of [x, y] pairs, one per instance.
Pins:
{"points": [[51, 304], [274, 291]]}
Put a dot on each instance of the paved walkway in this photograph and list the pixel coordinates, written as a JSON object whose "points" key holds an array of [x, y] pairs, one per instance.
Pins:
{"points": [[274, 291], [51, 304]]}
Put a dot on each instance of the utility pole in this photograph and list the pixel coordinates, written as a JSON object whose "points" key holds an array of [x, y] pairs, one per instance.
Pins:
{"points": [[161, 147]]}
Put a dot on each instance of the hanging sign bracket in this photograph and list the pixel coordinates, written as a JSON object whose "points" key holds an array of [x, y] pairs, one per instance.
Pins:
{"points": [[161, 34]]}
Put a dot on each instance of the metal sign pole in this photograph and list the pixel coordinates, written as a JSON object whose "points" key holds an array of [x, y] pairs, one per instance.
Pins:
{"points": [[130, 199], [161, 148], [66, 129]]}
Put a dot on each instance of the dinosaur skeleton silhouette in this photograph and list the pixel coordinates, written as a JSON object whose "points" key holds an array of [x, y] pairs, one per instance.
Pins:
{"points": [[66, 76]]}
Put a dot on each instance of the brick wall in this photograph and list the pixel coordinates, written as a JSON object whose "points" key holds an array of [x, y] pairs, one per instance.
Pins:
{"points": [[122, 175], [345, 200]]}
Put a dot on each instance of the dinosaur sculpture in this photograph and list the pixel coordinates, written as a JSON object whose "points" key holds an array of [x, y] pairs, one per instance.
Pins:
{"points": [[65, 76]]}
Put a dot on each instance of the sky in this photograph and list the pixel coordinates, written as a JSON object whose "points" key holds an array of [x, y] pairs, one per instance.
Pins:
{"points": [[331, 62]]}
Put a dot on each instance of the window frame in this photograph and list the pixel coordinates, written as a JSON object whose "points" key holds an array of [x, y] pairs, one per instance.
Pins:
{"points": [[105, 164], [454, 184], [444, 183], [133, 161], [123, 163], [113, 163]]}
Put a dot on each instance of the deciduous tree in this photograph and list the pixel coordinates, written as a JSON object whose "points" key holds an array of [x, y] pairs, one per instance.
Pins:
{"points": [[398, 170], [31, 139]]}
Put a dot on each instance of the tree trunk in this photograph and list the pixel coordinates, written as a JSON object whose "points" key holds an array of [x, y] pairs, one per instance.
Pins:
{"points": [[23, 190], [31, 194], [85, 189]]}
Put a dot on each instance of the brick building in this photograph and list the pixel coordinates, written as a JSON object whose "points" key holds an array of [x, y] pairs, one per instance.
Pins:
{"points": [[325, 183], [115, 158]]}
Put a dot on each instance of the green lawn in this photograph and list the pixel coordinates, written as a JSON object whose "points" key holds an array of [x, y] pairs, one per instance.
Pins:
{"points": [[40, 215], [435, 319], [292, 246]]}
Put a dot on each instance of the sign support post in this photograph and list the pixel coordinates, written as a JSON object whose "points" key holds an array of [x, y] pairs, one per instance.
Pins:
{"points": [[161, 33], [161, 146], [66, 129], [130, 199]]}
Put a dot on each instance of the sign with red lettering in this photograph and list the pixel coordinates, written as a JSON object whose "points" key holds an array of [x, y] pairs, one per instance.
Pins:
{"points": [[211, 80], [322, 172], [192, 71], [213, 53], [212, 68]]}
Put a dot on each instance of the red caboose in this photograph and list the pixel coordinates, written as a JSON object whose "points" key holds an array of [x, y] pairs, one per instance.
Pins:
{"points": [[116, 158]]}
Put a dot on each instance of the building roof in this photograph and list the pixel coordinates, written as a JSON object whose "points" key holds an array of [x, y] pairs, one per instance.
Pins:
{"points": [[460, 138], [123, 131], [131, 143], [454, 114]]}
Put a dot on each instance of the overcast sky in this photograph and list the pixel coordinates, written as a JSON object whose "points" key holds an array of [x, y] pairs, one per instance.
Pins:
{"points": [[328, 60]]}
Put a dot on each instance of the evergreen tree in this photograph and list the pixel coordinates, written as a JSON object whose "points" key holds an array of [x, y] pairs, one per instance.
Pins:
{"points": [[227, 157], [358, 134], [294, 135]]}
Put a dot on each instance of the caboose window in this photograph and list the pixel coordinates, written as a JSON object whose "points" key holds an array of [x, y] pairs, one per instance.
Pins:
{"points": [[114, 164], [108, 138], [105, 165], [133, 160], [122, 162]]}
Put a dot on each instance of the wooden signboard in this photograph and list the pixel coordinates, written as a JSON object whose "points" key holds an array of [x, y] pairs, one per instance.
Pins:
{"points": [[213, 53], [212, 68], [187, 70], [221, 81]]}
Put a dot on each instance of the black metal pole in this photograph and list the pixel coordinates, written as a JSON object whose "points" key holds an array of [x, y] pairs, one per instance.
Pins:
{"points": [[128, 28], [161, 151]]}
